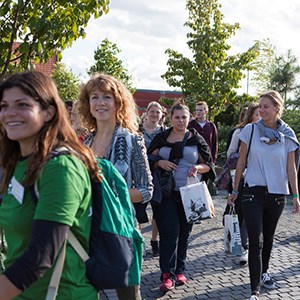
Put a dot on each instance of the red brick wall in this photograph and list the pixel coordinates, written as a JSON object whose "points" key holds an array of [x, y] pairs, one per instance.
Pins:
{"points": [[143, 97], [45, 68]]}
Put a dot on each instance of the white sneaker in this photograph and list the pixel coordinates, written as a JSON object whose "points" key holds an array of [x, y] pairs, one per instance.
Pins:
{"points": [[244, 258], [254, 297]]}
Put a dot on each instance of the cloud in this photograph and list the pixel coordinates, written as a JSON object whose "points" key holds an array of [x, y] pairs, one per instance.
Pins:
{"points": [[143, 30]]}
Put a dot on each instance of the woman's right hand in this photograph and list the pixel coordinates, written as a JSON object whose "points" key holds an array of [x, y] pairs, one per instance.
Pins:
{"points": [[167, 165], [231, 199]]}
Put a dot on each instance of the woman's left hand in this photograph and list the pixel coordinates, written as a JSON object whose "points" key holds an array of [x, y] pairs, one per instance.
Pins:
{"points": [[193, 171], [296, 208]]}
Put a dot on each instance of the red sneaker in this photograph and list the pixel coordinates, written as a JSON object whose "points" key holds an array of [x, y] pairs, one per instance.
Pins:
{"points": [[180, 279], [167, 282]]}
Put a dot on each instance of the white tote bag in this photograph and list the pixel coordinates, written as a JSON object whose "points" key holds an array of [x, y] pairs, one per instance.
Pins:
{"points": [[197, 201], [232, 237]]}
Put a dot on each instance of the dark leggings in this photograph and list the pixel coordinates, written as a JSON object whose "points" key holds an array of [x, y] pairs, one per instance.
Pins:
{"points": [[261, 213], [174, 232]]}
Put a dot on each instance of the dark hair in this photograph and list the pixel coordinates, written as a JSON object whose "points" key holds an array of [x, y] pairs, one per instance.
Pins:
{"points": [[69, 103], [55, 133], [178, 105], [249, 114], [242, 114]]}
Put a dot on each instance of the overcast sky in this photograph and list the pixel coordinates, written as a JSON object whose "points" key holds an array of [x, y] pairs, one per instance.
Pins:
{"points": [[143, 30]]}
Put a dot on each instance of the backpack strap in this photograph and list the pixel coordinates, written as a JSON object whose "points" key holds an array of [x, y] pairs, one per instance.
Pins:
{"points": [[56, 275], [77, 246]]}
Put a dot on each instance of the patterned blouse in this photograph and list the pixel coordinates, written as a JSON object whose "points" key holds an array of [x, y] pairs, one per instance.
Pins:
{"points": [[128, 154]]}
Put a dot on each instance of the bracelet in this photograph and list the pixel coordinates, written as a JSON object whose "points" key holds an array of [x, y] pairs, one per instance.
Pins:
{"points": [[235, 192], [295, 195]]}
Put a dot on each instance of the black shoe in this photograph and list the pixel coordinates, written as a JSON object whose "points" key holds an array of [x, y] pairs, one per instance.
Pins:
{"points": [[155, 248]]}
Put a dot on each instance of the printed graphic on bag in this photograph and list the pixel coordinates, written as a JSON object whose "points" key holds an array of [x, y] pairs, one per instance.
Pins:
{"points": [[232, 237], [197, 202]]}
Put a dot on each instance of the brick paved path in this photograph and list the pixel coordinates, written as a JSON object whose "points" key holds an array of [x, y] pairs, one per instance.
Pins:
{"points": [[213, 274]]}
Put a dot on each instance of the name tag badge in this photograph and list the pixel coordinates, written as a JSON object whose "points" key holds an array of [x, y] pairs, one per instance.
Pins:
{"points": [[17, 190]]}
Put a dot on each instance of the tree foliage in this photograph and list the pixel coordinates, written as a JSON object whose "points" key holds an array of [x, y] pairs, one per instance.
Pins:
{"points": [[292, 117], [67, 82], [263, 66], [276, 72], [283, 77], [43, 28], [107, 61], [211, 75]]}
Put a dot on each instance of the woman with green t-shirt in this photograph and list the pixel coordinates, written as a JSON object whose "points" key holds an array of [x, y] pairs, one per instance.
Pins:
{"points": [[33, 122]]}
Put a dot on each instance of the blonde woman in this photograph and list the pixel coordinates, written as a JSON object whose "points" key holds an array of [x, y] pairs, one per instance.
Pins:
{"points": [[150, 128], [271, 167]]}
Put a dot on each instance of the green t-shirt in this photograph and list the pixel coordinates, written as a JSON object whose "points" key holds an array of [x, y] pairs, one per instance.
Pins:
{"points": [[65, 197]]}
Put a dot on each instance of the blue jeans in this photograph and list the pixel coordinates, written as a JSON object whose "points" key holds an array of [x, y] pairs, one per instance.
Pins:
{"points": [[174, 232], [261, 212]]}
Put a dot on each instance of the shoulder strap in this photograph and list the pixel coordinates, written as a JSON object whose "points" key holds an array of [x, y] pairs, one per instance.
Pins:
{"points": [[250, 142], [55, 278], [56, 275]]}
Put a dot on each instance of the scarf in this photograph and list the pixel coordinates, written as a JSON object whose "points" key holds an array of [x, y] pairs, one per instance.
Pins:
{"points": [[119, 151], [283, 130]]}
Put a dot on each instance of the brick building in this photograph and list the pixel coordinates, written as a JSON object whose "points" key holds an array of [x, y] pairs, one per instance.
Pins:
{"points": [[143, 97], [46, 68]]}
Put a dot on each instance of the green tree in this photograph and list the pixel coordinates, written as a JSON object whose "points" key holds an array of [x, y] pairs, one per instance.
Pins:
{"points": [[107, 61], [276, 72], [43, 28], [283, 76], [211, 75], [67, 82], [295, 103], [263, 65], [292, 118]]}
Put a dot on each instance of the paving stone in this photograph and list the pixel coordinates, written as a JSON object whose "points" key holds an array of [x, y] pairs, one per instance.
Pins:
{"points": [[215, 275]]}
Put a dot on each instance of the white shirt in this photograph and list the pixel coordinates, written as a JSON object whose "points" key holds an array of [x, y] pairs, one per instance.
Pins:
{"points": [[267, 164]]}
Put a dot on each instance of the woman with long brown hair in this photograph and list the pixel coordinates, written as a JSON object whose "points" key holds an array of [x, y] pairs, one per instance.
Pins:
{"points": [[33, 123]]}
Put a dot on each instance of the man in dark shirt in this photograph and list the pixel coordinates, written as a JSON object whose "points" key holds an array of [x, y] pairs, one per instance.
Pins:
{"points": [[205, 128]]}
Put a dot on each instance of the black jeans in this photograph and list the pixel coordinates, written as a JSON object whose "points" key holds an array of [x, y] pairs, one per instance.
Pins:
{"points": [[174, 232], [261, 213]]}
